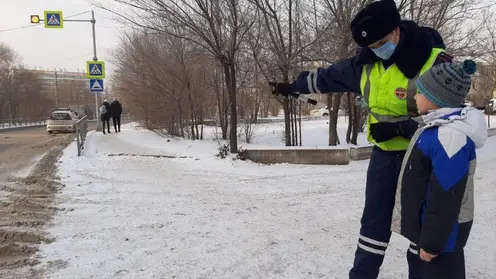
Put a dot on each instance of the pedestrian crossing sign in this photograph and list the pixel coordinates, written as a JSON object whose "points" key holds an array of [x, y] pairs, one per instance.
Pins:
{"points": [[96, 85], [95, 69], [54, 19]]}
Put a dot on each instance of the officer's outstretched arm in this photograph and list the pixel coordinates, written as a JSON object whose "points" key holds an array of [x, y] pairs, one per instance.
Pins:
{"points": [[340, 77]]}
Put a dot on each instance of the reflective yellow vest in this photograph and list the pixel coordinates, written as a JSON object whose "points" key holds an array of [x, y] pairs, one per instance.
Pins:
{"points": [[389, 96]]}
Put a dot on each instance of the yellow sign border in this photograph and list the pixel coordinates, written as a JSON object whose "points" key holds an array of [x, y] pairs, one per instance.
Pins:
{"points": [[102, 76], [45, 14]]}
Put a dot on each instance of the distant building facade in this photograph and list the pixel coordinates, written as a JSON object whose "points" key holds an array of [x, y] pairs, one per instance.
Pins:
{"points": [[67, 89]]}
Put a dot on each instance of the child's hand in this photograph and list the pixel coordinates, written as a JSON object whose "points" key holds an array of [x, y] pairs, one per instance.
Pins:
{"points": [[426, 257]]}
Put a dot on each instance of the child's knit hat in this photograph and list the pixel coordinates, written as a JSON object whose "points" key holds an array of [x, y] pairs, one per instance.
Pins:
{"points": [[447, 84]]}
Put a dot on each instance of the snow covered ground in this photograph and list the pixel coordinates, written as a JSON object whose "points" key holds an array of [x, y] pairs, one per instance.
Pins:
{"points": [[271, 135], [204, 217]]}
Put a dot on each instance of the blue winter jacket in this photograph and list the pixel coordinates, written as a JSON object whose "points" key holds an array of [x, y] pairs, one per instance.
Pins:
{"points": [[435, 195]]}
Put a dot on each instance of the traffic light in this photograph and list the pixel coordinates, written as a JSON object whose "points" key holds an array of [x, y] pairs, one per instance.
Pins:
{"points": [[35, 19]]}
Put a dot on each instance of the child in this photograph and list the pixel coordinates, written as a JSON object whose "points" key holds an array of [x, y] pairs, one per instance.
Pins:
{"points": [[435, 196]]}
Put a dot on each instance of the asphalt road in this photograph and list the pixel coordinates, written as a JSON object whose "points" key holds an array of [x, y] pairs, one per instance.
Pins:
{"points": [[27, 193], [18, 148]]}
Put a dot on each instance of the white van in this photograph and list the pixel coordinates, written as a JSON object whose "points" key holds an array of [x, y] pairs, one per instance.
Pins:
{"points": [[62, 120]]}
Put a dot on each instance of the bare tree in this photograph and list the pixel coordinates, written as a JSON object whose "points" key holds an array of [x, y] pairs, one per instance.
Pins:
{"points": [[340, 14], [460, 22], [219, 26], [8, 64], [486, 81], [245, 43], [281, 34], [172, 77], [27, 100], [20, 89]]}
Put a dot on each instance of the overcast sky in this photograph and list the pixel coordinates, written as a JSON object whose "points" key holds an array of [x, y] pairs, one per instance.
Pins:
{"points": [[67, 48]]}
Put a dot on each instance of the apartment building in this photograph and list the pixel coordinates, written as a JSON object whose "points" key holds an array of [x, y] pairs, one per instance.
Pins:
{"points": [[67, 89]]}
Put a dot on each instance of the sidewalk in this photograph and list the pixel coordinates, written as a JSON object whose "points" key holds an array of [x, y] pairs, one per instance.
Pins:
{"points": [[203, 217]]}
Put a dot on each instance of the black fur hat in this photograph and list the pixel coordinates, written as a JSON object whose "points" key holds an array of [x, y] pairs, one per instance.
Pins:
{"points": [[374, 22]]}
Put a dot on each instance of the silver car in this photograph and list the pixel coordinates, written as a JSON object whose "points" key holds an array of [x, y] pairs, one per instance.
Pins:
{"points": [[62, 121]]}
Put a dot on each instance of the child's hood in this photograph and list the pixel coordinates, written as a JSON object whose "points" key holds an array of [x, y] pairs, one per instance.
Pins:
{"points": [[467, 120]]}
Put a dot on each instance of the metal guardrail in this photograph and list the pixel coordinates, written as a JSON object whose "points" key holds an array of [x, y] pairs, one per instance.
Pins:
{"points": [[21, 122], [81, 132]]}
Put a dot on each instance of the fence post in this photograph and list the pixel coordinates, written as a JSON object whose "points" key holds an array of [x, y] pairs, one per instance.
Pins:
{"points": [[78, 140], [81, 131]]}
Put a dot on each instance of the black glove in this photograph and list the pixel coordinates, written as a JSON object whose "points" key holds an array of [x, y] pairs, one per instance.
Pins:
{"points": [[407, 128], [384, 131], [282, 88]]}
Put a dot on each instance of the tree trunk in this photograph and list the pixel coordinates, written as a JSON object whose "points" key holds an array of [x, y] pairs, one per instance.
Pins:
{"points": [[257, 109], [299, 124], [197, 123], [221, 103], [181, 119], [242, 109], [192, 130], [230, 71], [266, 108], [192, 114], [333, 102], [295, 122], [291, 123], [356, 122], [350, 117], [287, 121]]}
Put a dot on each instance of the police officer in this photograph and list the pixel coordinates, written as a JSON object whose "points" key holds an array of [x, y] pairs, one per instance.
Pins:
{"points": [[393, 54]]}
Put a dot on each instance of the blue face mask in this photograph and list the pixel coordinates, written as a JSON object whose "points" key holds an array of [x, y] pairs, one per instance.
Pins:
{"points": [[385, 51]]}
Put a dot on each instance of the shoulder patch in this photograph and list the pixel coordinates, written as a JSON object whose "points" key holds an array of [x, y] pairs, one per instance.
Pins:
{"points": [[443, 57], [451, 140]]}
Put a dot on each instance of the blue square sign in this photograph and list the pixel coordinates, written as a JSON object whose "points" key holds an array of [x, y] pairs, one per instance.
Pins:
{"points": [[96, 85]]}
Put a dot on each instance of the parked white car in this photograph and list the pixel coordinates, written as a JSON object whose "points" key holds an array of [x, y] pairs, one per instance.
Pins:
{"points": [[320, 112], [325, 112], [62, 120]]}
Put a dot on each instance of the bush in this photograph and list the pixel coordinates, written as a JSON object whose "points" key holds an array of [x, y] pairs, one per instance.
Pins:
{"points": [[223, 151], [241, 154], [247, 130]]}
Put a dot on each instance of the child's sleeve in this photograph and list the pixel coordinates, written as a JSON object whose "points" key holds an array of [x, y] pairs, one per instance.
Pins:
{"points": [[450, 155]]}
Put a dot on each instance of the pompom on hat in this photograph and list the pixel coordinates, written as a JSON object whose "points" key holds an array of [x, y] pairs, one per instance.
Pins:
{"points": [[447, 84]]}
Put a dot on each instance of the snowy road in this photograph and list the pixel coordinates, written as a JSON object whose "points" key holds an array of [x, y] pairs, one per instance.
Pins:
{"points": [[203, 217]]}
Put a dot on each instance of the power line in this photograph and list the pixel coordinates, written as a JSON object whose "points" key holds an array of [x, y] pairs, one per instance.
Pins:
{"points": [[17, 28], [34, 25], [87, 12]]}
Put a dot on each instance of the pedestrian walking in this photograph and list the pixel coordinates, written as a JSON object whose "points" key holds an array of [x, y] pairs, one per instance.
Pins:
{"points": [[105, 115], [116, 111]]}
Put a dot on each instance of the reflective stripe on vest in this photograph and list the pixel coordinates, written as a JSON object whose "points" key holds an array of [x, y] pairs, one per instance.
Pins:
{"points": [[410, 100]]}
